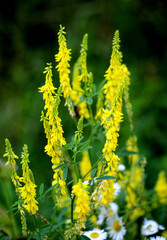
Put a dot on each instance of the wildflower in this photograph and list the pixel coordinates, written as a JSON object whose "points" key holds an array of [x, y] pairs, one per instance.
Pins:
{"points": [[11, 162], [157, 238], [85, 164], [96, 234], [53, 127], [150, 227], [102, 215], [121, 167], [117, 188], [132, 147], [77, 92], [82, 200], [115, 74], [16, 181], [28, 192], [112, 209], [63, 57], [80, 75], [107, 190], [99, 104], [161, 187], [115, 227], [48, 90]]}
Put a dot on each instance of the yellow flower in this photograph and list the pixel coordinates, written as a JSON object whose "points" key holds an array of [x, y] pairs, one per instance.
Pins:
{"points": [[11, 162], [80, 74], [85, 165], [53, 127], [161, 187], [115, 74], [28, 191], [63, 57], [107, 192], [82, 200]]}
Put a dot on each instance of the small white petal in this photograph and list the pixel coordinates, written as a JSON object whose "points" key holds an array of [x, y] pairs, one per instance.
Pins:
{"points": [[121, 167]]}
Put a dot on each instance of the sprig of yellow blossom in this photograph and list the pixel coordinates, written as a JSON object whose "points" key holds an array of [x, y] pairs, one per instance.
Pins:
{"points": [[85, 165], [53, 128], [28, 191], [80, 75], [134, 180], [161, 187], [63, 57], [16, 181], [117, 77], [80, 190]]}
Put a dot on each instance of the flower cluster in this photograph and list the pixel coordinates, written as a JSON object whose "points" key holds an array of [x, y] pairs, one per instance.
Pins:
{"points": [[52, 127], [80, 190], [28, 191], [63, 57], [80, 75]]}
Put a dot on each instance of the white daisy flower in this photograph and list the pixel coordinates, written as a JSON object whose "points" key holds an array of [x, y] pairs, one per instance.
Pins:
{"points": [[105, 212], [102, 215], [96, 234], [121, 167], [157, 238], [115, 227], [150, 227], [117, 188], [114, 208]]}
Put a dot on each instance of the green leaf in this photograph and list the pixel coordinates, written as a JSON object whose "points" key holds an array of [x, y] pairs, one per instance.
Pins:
{"points": [[49, 189], [41, 189], [61, 165], [32, 235], [73, 163], [70, 182], [59, 224], [105, 178], [38, 236], [65, 172], [85, 148], [126, 153], [84, 237], [89, 101], [93, 172]]}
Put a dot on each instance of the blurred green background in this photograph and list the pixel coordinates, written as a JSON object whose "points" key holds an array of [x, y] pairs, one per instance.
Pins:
{"points": [[28, 39]]}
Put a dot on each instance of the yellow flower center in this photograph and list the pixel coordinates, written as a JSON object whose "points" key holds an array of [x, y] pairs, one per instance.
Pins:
{"points": [[117, 226], [94, 235]]}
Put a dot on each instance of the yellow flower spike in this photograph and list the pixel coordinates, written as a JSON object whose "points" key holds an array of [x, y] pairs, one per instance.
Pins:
{"points": [[16, 181], [63, 57], [11, 162], [116, 74], [28, 192], [161, 187], [53, 129], [83, 59], [99, 105], [85, 164], [82, 200], [80, 74]]}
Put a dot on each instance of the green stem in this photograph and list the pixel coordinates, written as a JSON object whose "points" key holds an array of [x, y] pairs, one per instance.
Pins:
{"points": [[92, 128], [54, 214], [8, 200], [75, 167], [72, 208], [36, 226]]}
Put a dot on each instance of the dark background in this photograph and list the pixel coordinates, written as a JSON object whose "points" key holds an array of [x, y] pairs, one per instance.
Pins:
{"points": [[28, 39]]}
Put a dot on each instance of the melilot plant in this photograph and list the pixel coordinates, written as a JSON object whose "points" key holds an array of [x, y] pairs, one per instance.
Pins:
{"points": [[103, 192]]}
